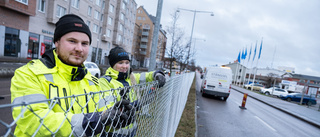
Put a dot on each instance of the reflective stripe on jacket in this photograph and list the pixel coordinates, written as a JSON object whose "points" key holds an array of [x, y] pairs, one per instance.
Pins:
{"points": [[114, 80], [49, 78]]}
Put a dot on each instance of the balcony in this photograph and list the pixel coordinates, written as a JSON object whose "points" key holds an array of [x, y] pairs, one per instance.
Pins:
{"points": [[144, 39], [143, 46], [145, 33], [143, 52]]}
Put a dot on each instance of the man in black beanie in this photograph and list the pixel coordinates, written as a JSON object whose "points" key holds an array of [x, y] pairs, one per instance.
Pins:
{"points": [[62, 86]]}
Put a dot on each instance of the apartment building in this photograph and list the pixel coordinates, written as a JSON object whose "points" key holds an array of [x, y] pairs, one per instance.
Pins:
{"points": [[144, 30], [27, 26]]}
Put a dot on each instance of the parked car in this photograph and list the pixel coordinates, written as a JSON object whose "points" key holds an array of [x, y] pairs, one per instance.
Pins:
{"points": [[277, 91], [92, 68], [254, 86], [307, 99], [217, 82]]}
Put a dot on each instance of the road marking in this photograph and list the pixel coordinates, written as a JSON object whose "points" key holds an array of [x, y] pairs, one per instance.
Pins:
{"points": [[265, 123], [8, 95]]}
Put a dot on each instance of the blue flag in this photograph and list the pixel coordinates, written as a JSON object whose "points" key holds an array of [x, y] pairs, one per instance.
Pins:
{"points": [[260, 49], [255, 50], [250, 53], [239, 57], [242, 54], [245, 54]]}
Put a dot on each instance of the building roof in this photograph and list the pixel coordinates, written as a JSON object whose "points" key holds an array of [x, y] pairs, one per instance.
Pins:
{"points": [[305, 77]]}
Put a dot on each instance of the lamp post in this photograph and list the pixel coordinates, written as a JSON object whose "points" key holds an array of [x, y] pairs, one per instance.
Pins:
{"points": [[194, 17], [194, 45]]}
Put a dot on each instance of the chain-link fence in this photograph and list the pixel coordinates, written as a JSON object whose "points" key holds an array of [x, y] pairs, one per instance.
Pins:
{"points": [[152, 112]]}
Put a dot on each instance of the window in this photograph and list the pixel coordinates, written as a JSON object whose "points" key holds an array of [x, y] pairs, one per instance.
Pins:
{"points": [[98, 2], [139, 11], [89, 11], [139, 18], [119, 38], [108, 32], [120, 27], [110, 20], [41, 5], [33, 47], [61, 11], [23, 1], [101, 17], [95, 28], [103, 3], [96, 14], [108, 44], [121, 16], [11, 42], [143, 18], [111, 8], [123, 5], [75, 3], [88, 23]]}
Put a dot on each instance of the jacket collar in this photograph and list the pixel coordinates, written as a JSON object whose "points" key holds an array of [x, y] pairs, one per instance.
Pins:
{"points": [[114, 74]]}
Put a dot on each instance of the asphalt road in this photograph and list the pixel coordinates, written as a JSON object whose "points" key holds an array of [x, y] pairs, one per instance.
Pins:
{"points": [[5, 98], [217, 118]]}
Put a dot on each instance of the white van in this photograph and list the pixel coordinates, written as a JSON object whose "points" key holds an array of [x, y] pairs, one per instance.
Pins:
{"points": [[217, 81]]}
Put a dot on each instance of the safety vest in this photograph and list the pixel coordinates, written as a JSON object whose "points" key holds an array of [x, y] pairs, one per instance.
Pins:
{"points": [[113, 80], [47, 81]]}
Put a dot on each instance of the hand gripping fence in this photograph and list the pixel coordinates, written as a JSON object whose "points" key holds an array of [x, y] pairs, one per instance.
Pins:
{"points": [[157, 111]]}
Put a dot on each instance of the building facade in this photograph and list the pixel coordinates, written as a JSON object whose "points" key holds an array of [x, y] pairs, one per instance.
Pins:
{"points": [[27, 26], [141, 49]]}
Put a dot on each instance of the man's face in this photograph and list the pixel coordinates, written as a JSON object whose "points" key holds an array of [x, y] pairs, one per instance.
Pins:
{"points": [[72, 48], [122, 66]]}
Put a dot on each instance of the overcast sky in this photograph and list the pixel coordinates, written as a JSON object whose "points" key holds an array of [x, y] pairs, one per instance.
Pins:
{"points": [[290, 30]]}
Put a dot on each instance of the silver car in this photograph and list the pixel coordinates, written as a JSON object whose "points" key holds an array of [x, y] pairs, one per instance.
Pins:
{"points": [[92, 68]]}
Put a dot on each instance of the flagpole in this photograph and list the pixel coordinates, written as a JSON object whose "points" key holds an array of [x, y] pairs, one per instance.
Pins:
{"points": [[251, 71], [257, 62], [245, 74], [254, 76], [235, 74]]}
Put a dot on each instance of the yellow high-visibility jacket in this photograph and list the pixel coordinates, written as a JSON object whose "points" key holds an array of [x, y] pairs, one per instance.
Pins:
{"points": [[47, 78], [113, 80]]}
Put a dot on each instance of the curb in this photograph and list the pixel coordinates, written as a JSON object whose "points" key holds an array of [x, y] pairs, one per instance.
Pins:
{"points": [[285, 111]]}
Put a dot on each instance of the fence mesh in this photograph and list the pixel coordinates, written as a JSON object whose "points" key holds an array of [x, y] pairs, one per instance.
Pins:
{"points": [[157, 112]]}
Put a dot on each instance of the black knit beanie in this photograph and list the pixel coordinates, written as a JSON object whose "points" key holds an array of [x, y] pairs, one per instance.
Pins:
{"points": [[117, 54], [70, 23]]}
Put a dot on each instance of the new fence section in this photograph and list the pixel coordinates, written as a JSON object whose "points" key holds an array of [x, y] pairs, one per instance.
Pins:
{"points": [[156, 111]]}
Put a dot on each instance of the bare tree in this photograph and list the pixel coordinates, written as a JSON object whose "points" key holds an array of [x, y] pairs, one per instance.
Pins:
{"points": [[271, 79], [176, 50]]}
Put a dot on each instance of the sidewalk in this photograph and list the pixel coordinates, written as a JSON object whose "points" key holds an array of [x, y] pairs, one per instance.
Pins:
{"points": [[310, 114]]}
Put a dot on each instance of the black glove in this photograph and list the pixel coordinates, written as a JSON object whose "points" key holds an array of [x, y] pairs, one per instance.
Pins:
{"points": [[130, 111], [160, 77], [113, 116]]}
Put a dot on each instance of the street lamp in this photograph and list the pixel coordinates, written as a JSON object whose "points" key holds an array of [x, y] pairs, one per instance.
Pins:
{"points": [[194, 45], [194, 16]]}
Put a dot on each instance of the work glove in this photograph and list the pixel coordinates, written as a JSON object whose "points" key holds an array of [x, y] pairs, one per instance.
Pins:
{"points": [[160, 77], [113, 116], [129, 111]]}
